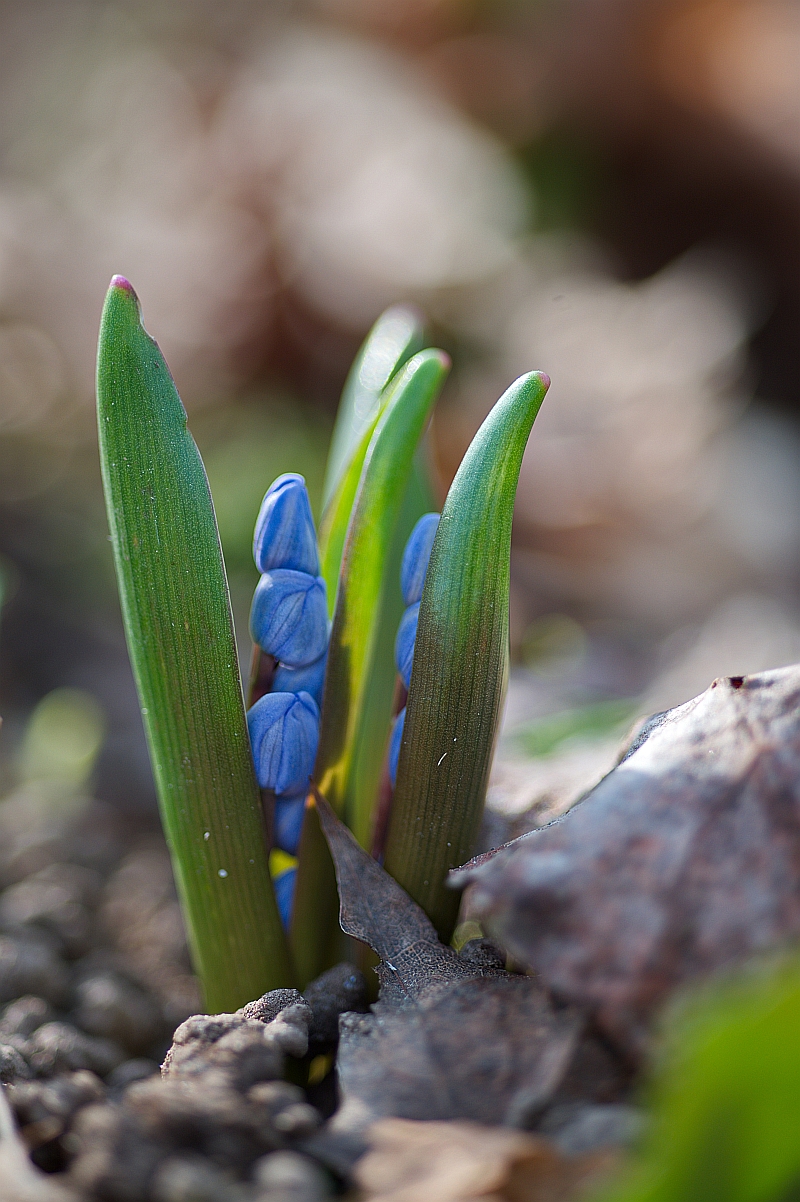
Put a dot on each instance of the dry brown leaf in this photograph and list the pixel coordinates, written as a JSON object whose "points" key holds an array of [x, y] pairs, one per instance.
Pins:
{"points": [[448, 1038], [457, 1162], [684, 860]]}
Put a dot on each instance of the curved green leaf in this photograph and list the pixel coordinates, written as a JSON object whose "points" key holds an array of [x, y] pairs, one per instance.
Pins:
{"points": [[460, 663], [351, 655], [336, 518], [362, 580], [178, 624], [395, 337]]}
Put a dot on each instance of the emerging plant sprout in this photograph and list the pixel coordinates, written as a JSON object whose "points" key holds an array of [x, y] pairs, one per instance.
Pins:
{"points": [[386, 577]]}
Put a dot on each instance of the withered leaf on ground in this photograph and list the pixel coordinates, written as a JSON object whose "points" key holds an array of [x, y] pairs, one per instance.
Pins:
{"points": [[684, 860], [455, 1162], [374, 909], [448, 1038]]}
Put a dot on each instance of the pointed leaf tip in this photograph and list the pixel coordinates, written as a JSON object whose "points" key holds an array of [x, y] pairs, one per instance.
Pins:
{"points": [[119, 281]]}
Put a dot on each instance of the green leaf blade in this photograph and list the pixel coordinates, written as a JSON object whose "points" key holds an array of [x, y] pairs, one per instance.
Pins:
{"points": [[348, 723], [396, 336], [179, 628], [460, 662], [370, 536]]}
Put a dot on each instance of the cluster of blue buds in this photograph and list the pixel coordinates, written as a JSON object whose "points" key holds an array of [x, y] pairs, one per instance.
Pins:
{"points": [[413, 570], [289, 621]]}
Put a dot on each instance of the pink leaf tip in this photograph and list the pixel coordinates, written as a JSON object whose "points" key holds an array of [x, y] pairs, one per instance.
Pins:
{"points": [[119, 281]]}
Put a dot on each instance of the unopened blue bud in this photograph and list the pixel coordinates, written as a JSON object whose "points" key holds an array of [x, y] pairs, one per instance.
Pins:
{"points": [[284, 732], [287, 822], [404, 643], [283, 885], [394, 745], [289, 617], [285, 535], [416, 556], [310, 679]]}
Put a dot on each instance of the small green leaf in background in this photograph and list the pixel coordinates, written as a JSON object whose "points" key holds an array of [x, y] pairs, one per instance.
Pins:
{"points": [[63, 739], [460, 663], [179, 629], [363, 579], [725, 1125], [597, 720]]}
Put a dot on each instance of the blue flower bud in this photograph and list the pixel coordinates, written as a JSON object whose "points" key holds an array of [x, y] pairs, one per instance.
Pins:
{"points": [[394, 745], [284, 884], [289, 617], [287, 822], [404, 643], [284, 535], [416, 556], [310, 679], [284, 732]]}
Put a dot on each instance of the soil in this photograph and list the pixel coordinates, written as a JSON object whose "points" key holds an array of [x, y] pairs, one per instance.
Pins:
{"points": [[121, 1092]]}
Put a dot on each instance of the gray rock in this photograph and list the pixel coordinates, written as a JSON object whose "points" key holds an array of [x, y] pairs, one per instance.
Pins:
{"points": [[129, 1071], [113, 1159], [483, 953], [13, 1065], [24, 1015], [60, 1047], [340, 990], [194, 1179], [269, 1006], [239, 1051], [45, 1109], [109, 1006], [29, 965], [57, 898], [246, 1050], [290, 1177]]}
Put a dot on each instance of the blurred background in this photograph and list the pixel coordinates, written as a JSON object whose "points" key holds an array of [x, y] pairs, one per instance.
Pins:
{"points": [[608, 190]]}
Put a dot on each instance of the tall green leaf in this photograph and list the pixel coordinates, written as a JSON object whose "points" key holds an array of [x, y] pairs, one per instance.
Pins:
{"points": [[460, 662], [370, 534], [363, 578], [178, 624], [395, 337]]}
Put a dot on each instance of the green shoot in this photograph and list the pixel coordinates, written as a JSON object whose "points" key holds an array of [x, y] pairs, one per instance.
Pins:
{"points": [[460, 663], [180, 636]]}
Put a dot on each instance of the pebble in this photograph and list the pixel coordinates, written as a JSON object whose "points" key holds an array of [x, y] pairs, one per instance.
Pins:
{"points": [[25, 1015], [483, 954], [57, 899], [109, 1006], [12, 1064], [289, 1177], [193, 1179], [29, 964], [340, 990], [59, 1047], [129, 1071], [44, 1111]]}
